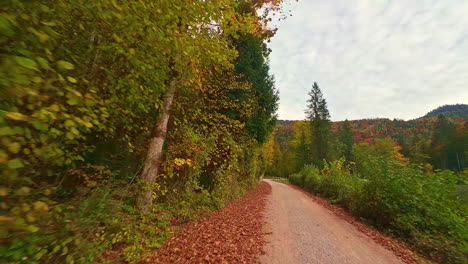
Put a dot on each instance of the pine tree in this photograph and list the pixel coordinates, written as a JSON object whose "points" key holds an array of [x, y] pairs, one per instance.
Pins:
{"points": [[252, 65], [302, 150], [319, 117], [440, 144], [346, 137]]}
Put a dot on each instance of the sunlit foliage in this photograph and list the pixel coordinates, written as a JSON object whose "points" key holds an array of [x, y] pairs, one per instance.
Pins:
{"points": [[83, 84]]}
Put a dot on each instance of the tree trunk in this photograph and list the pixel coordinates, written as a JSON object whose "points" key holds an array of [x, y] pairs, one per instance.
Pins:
{"points": [[155, 150]]}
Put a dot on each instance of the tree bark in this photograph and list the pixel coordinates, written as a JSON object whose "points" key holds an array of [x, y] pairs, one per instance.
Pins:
{"points": [[155, 151]]}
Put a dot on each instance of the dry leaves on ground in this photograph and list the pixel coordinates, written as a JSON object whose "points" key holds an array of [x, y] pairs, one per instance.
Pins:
{"points": [[231, 235]]}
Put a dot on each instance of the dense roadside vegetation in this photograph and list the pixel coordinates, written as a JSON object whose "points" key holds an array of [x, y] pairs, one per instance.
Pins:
{"points": [[119, 118], [401, 194]]}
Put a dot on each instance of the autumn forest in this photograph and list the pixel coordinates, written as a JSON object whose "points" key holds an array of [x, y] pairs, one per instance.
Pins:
{"points": [[125, 124]]}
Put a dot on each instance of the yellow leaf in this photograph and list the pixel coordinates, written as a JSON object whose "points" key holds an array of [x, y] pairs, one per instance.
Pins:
{"points": [[14, 147], [30, 217], [3, 157], [26, 207], [5, 218], [64, 65], [23, 190], [54, 108], [17, 116], [91, 184], [38, 205], [37, 79], [3, 191], [69, 123]]}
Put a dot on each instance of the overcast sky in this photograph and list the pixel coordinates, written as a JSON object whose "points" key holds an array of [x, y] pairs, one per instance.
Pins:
{"points": [[372, 58]]}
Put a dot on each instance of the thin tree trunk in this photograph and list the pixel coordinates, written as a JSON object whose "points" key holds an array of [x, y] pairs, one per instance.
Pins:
{"points": [[155, 150]]}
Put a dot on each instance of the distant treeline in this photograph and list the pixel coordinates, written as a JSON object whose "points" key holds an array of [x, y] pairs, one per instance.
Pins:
{"points": [[422, 140]]}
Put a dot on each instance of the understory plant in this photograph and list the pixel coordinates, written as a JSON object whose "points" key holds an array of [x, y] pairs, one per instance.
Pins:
{"points": [[427, 210]]}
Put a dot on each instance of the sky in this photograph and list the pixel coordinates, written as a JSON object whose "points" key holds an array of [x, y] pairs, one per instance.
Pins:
{"points": [[372, 58]]}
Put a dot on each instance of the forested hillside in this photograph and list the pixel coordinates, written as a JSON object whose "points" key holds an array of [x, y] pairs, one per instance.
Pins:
{"points": [[452, 111], [413, 136], [119, 118], [407, 178]]}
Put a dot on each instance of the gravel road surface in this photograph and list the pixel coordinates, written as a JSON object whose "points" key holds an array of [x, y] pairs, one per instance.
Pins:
{"points": [[301, 231]]}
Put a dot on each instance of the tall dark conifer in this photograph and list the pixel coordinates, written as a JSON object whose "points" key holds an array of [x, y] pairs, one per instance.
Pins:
{"points": [[302, 151], [252, 66], [447, 146], [346, 137], [319, 117]]}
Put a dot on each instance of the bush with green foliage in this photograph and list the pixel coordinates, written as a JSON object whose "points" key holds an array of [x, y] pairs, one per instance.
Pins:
{"points": [[311, 178], [338, 183], [296, 179], [335, 181], [424, 210]]}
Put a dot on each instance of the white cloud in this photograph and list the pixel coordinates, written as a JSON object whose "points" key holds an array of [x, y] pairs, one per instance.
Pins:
{"points": [[372, 58]]}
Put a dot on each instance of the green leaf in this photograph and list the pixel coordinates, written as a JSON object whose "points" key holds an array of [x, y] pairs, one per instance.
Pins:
{"points": [[56, 249], [64, 65], [15, 164], [6, 131], [18, 130], [5, 27], [72, 101], [50, 24], [32, 228], [39, 126], [27, 63], [43, 63], [75, 131], [39, 255], [71, 79], [70, 135]]}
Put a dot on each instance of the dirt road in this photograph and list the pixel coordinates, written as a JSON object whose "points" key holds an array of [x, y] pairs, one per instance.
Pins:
{"points": [[302, 231]]}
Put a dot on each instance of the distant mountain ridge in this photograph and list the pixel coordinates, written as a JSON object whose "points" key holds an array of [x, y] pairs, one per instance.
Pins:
{"points": [[452, 111]]}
